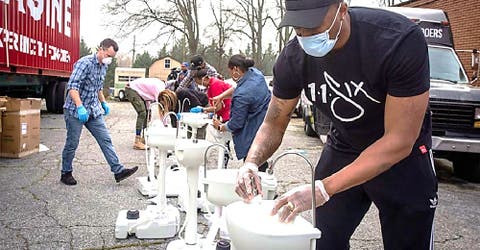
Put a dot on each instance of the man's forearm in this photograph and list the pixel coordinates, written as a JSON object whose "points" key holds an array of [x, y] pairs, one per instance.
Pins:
{"points": [[75, 97], [270, 134], [265, 144], [101, 97]]}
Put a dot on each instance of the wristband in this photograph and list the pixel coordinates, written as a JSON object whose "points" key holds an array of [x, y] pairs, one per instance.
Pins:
{"points": [[321, 187], [252, 166]]}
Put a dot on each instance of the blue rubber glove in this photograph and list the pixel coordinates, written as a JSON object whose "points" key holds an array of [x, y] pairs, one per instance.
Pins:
{"points": [[179, 116], [82, 113], [196, 109], [106, 108]]}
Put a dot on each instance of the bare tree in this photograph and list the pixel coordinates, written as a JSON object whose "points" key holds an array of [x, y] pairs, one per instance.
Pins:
{"points": [[252, 16], [224, 24], [165, 17], [285, 33]]}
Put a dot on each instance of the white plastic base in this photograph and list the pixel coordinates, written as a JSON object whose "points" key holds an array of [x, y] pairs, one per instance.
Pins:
{"points": [[175, 183], [147, 188], [151, 224], [181, 245]]}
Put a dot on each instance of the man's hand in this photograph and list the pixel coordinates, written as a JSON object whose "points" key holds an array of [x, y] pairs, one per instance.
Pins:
{"points": [[82, 113], [248, 183], [105, 108], [298, 200]]}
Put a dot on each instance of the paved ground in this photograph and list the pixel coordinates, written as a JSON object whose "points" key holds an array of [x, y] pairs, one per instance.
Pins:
{"points": [[38, 212]]}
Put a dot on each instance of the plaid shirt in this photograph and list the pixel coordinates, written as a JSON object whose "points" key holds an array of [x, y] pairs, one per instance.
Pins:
{"points": [[87, 78], [188, 80]]}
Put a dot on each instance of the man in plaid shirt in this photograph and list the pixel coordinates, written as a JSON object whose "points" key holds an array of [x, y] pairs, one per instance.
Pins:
{"points": [[85, 105], [196, 63]]}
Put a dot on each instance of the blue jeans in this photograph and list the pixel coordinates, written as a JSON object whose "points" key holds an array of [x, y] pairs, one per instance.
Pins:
{"points": [[99, 130]]}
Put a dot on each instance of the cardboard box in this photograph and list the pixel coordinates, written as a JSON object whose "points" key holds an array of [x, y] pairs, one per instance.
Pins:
{"points": [[19, 104], [20, 128], [3, 100]]}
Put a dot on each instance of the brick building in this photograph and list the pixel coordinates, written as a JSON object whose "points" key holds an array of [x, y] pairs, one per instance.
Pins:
{"points": [[464, 18]]}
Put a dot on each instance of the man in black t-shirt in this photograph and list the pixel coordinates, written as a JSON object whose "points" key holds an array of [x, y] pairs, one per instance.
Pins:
{"points": [[367, 70]]}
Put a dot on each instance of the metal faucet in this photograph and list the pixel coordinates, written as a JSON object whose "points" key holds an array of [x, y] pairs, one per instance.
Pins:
{"points": [[183, 104], [299, 153], [205, 156], [175, 115]]}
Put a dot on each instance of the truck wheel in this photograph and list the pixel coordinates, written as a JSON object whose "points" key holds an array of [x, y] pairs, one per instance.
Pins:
{"points": [[322, 125], [121, 95], [308, 128], [60, 97], [50, 97], [467, 166]]}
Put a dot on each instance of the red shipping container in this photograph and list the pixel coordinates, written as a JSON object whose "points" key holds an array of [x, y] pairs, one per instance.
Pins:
{"points": [[39, 37]]}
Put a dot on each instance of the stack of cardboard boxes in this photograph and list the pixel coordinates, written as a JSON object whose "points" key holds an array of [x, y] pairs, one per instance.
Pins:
{"points": [[20, 127]]}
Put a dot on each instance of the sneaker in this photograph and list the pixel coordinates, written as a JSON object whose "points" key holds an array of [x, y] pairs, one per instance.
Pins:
{"points": [[125, 173], [68, 179]]}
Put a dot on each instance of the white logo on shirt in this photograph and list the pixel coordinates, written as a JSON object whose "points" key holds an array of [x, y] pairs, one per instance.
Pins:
{"points": [[334, 86]]}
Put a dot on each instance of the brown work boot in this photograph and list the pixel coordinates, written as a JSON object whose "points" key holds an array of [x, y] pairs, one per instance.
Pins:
{"points": [[138, 143]]}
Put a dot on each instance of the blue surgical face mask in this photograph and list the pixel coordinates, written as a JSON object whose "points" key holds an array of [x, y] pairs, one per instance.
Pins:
{"points": [[320, 44]]}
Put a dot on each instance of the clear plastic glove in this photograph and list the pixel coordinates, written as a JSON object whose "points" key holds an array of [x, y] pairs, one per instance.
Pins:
{"points": [[298, 200], [82, 113], [217, 123], [106, 108], [248, 183], [196, 109]]}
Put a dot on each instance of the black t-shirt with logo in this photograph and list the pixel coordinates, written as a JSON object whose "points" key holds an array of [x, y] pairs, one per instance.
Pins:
{"points": [[385, 54]]}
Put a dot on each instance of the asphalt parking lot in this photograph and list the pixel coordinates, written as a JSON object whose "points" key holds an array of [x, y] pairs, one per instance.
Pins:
{"points": [[38, 212]]}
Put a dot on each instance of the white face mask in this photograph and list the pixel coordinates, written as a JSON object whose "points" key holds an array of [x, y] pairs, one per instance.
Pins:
{"points": [[107, 60], [236, 77], [320, 44]]}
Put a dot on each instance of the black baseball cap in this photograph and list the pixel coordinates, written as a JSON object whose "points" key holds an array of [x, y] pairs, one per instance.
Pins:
{"points": [[196, 62], [306, 13]]}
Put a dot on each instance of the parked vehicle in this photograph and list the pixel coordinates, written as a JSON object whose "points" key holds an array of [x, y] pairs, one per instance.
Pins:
{"points": [[454, 102], [124, 76], [39, 43]]}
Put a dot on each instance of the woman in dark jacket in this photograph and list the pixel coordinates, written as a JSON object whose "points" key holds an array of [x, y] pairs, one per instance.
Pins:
{"points": [[249, 104]]}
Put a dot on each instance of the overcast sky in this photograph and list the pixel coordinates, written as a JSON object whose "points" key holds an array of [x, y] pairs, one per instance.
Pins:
{"points": [[92, 27]]}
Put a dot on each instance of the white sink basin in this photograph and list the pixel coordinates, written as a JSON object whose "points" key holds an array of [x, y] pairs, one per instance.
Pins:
{"points": [[161, 137], [252, 228], [190, 153], [220, 186], [195, 120]]}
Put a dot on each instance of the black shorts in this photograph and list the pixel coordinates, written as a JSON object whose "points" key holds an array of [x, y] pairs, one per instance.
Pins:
{"points": [[405, 195]]}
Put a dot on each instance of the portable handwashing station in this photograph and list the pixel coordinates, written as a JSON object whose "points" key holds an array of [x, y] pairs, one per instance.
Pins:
{"points": [[189, 153], [161, 220], [251, 227], [220, 191], [159, 141]]}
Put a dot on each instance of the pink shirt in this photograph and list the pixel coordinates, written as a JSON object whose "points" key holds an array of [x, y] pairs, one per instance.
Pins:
{"points": [[215, 88], [147, 88]]}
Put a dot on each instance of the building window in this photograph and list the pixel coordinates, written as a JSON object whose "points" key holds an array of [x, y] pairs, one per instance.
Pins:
{"points": [[167, 63]]}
